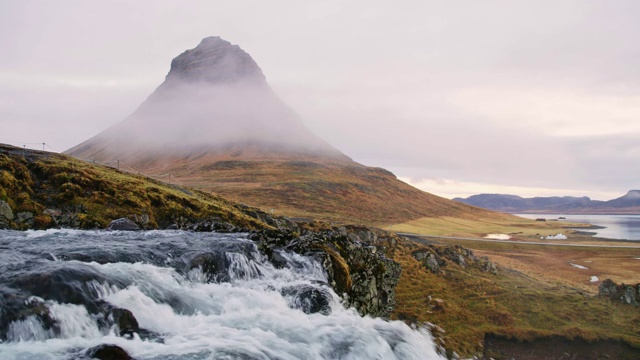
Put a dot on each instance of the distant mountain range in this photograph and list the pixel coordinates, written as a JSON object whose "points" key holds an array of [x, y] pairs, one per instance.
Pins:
{"points": [[627, 204]]}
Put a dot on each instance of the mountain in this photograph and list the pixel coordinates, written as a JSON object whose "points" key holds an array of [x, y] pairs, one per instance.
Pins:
{"points": [[215, 124], [627, 204], [215, 102]]}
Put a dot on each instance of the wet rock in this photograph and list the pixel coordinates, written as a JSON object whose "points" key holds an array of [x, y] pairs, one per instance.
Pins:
{"points": [[5, 211], [74, 285], [15, 306], [127, 323], [108, 352], [214, 266], [309, 299], [365, 279], [123, 224]]}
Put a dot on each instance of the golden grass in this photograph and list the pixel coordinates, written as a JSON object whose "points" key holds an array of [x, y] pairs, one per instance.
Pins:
{"points": [[34, 180], [517, 227], [511, 303]]}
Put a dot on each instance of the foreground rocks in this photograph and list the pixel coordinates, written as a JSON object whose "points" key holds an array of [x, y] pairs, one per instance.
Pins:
{"points": [[357, 269]]}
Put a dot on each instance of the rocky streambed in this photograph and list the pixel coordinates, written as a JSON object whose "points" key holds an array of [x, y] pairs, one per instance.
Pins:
{"points": [[71, 294]]}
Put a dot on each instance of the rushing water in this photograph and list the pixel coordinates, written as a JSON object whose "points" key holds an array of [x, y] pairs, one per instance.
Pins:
{"points": [[56, 288], [625, 227]]}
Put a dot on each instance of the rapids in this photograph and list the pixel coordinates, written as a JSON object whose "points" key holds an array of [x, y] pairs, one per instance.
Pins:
{"points": [[193, 295]]}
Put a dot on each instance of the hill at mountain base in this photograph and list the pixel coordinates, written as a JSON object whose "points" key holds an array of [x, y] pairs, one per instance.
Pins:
{"points": [[216, 125]]}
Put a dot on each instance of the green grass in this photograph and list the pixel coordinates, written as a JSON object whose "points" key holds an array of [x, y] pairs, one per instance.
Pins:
{"points": [[34, 181]]}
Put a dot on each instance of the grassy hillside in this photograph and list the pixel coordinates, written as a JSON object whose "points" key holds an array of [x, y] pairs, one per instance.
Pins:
{"points": [[466, 302], [303, 186], [44, 188]]}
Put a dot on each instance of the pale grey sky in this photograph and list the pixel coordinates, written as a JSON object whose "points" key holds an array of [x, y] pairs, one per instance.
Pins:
{"points": [[457, 97]]}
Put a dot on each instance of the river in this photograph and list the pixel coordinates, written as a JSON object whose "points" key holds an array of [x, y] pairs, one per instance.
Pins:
{"points": [[624, 227], [63, 292]]}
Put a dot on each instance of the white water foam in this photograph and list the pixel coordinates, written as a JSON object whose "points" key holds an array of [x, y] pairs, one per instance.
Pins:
{"points": [[248, 318]]}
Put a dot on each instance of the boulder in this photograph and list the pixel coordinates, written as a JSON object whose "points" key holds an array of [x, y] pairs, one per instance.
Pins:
{"points": [[214, 266], [5, 211], [127, 323], [309, 299], [608, 288], [123, 224], [108, 352]]}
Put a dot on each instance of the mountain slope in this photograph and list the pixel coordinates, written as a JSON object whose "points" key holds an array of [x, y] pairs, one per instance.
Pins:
{"points": [[215, 124], [43, 190]]}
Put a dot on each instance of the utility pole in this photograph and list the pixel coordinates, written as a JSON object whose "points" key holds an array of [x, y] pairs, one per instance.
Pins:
{"points": [[42, 146], [118, 164]]}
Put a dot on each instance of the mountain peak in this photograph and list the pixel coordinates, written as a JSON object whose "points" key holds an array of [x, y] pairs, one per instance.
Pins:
{"points": [[215, 102], [215, 61]]}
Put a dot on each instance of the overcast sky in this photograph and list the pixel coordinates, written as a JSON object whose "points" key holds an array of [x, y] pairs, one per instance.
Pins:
{"points": [[532, 98]]}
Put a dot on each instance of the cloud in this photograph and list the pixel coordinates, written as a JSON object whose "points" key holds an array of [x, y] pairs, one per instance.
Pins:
{"points": [[488, 92]]}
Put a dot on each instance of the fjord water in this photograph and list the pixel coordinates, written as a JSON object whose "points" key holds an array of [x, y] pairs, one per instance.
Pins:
{"points": [[249, 310], [625, 227]]}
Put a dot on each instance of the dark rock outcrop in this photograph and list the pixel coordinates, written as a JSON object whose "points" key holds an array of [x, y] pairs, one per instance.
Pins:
{"points": [[436, 257], [626, 294], [358, 271], [108, 352]]}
